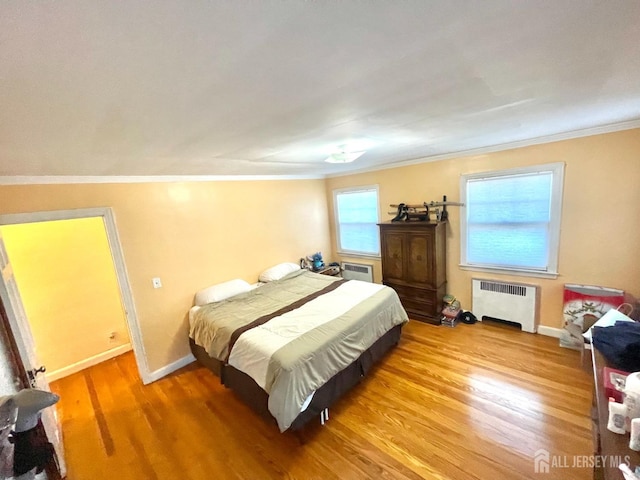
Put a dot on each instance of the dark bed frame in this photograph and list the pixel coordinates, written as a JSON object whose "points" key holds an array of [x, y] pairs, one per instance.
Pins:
{"points": [[254, 396]]}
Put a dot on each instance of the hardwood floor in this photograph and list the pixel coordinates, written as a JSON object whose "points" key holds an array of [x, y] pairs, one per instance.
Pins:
{"points": [[472, 402]]}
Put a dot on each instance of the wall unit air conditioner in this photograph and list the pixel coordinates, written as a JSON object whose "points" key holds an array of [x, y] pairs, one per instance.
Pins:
{"points": [[357, 271], [511, 302]]}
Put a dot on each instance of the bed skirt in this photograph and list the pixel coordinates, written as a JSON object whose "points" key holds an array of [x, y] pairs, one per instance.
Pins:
{"points": [[254, 396]]}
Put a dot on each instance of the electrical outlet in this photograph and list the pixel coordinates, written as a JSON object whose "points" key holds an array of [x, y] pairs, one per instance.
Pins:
{"points": [[156, 282], [112, 336]]}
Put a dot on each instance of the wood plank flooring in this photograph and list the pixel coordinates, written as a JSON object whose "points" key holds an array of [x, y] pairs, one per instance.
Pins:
{"points": [[471, 402]]}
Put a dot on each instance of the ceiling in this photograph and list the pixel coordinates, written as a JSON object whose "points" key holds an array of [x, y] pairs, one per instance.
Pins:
{"points": [[93, 88]]}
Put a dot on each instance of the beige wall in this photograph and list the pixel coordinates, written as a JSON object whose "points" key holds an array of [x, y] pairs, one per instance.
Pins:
{"points": [[195, 234], [600, 232], [192, 235], [68, 285]]}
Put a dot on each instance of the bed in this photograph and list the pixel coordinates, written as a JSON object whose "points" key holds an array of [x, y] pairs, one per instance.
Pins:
{"points": [[293, 346]]}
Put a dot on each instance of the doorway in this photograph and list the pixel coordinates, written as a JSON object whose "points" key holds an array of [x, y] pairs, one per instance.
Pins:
{"points": [[69, 290], [104, 215]]}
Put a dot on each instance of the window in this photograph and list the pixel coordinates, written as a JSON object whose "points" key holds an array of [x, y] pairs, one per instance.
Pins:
{"points": [[511, 219], [356, 211]]}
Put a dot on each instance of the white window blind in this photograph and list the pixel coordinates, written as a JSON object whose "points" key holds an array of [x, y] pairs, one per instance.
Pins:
{"points": [[357, 216], [512, 219]]}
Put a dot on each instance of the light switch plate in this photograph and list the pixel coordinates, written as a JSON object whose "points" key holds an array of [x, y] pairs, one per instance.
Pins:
{"points": [[156, 282]]}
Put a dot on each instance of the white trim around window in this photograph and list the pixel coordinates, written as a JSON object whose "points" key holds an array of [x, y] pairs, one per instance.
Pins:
{"points": [[357, 213], [531, 234]]}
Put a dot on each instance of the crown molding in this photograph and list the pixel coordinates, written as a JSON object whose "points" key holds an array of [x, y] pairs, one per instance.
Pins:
{"points": [[74, 179], [89, 179], [556, 137]]}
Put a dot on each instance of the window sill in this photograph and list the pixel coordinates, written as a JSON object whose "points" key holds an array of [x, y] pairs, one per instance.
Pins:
{"points": [[510, 271], [359, 255]]}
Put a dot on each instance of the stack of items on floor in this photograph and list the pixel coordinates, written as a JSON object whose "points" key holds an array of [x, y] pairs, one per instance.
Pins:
{"points": [[451, 311]]}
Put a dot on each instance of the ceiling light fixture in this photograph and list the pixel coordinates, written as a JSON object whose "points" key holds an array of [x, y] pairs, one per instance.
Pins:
{"points": [[344, 157]]}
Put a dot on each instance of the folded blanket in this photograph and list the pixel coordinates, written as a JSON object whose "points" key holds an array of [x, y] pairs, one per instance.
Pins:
{"points": [[620, 345]]}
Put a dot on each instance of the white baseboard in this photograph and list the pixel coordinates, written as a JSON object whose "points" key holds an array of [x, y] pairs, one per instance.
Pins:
{"points": [[172, 367], [86, 363], [549, 331]]}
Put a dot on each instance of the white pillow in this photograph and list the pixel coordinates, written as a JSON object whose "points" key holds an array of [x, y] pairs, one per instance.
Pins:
{"points": [[278, 271], [221, 291]]}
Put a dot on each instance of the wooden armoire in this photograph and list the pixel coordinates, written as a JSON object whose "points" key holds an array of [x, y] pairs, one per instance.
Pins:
{"points": [[414, 265]]}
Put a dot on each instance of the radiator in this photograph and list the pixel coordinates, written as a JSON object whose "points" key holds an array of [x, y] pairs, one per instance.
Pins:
{"points": [[512, 302], [357, 271]]}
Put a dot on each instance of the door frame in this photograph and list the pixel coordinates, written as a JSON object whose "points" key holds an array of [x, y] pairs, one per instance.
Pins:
{"points": [[107, 215], [52, 468]]}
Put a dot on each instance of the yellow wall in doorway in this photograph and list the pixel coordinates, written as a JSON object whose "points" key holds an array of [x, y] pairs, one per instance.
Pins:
{"points": [[68, 285]]}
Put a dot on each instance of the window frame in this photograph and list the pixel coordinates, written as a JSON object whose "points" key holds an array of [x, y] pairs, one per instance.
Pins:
{"points": [[551, 271], [336, 217]]}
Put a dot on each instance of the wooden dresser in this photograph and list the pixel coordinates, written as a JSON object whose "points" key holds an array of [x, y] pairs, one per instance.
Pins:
{"points": [[608, 446], [414, 265]]}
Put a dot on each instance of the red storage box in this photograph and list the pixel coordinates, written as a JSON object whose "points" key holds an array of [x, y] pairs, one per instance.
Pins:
{"points": [[614, 381]]}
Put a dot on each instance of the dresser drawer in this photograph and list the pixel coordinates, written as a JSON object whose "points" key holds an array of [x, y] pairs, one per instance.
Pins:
{"points": [[422, 296], [420, 304], [410, 303], [422, 315]]}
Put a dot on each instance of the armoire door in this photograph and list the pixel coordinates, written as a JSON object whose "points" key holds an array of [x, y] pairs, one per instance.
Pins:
{"points": [[393, 254], [420, 259]]}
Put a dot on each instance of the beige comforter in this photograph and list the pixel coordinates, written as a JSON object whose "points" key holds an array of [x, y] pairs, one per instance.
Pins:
{"points": [[295, 353]]}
